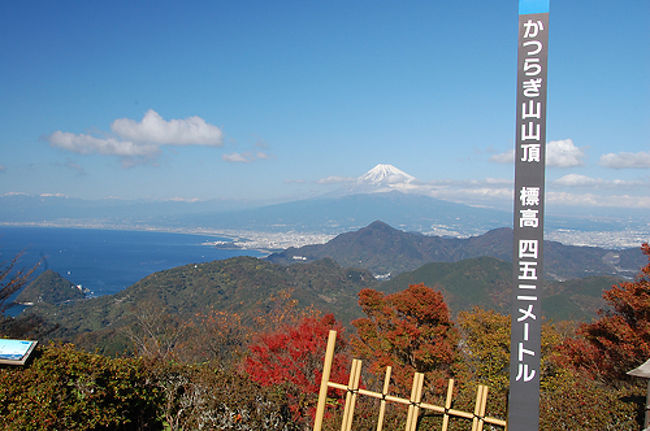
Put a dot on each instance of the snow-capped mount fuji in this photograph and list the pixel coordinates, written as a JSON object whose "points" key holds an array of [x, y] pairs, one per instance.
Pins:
{"points": [[384, 177], [383, 174]]}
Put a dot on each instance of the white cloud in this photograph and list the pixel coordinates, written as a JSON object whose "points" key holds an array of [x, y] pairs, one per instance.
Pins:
{"points": [[236, 158], [471, 192], [640, 160], [53, 195], [559, 154], [507, 157], [246, 156], [181, 199], [467, 184], [576, 180], [335, 180], [155, 130], [134, 141], [598, 200], [493, 195], [87, 144], [563, 154], [472, 195], [495, 181]]}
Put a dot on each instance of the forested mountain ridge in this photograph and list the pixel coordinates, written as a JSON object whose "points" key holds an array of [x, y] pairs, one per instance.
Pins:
{"points": [[487, 282], [249, 286], [384, 250], [244, 285]]}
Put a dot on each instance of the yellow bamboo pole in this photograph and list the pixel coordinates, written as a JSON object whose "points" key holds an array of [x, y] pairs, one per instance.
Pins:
{"points": [[483, 406], [450, 394], [416, 397], [416, 412], [355, 394], [409, 416], [477, 407], [426, 406], [351, 396], [382, 404], [327, 368], [495, 421], [348, 396], [414, 403]]}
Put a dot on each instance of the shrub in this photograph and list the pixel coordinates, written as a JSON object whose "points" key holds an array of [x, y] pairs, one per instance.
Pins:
{"points": [[67, 389], [210, 397]]}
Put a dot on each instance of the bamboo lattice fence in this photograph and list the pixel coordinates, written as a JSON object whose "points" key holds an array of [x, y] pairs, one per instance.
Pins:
{"points": [[414, 403]]}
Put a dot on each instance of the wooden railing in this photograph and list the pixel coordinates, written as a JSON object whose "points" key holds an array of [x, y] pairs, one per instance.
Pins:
{"points": [[414, 403]]}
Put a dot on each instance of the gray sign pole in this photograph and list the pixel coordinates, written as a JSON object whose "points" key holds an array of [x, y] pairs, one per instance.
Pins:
{"points": [[530, 142]]}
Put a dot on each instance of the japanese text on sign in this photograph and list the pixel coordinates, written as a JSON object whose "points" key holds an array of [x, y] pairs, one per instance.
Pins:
{"points": [[530, 139]]}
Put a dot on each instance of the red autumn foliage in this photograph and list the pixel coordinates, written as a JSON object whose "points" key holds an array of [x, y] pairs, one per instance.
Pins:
{"points": [[293, 356], [410, 331], [620, 339]]}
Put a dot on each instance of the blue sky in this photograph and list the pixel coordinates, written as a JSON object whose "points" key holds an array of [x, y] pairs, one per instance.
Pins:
{"points": [[260, 100]]}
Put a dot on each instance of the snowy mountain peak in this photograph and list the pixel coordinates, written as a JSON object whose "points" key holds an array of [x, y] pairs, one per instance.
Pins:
{"points": [[384, 174]]}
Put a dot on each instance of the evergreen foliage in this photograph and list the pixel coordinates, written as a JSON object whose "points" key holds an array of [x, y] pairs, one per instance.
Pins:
{"points": [[50, 287], [487, 282]]}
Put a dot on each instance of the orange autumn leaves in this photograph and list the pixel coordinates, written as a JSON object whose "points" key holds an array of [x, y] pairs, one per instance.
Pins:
{"points": [[410, 331]]}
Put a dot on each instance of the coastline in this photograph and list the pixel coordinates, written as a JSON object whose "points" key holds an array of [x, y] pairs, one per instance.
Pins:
{"points": [[269, 242], [262, 242], [106, 260]]}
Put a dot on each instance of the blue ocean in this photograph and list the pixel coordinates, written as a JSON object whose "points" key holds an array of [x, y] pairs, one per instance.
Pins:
{"points": [[107, 261]]}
